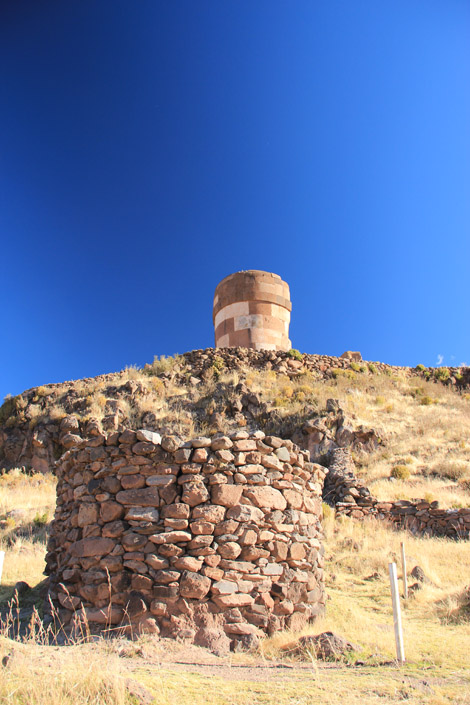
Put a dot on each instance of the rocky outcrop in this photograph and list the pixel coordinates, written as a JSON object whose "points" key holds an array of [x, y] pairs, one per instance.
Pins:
{"points": [[154, 534], [32, 435], [323, 434]]}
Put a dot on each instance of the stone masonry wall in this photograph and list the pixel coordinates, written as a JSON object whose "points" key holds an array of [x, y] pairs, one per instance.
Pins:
{"points": [[350, 497], [171, 536]]}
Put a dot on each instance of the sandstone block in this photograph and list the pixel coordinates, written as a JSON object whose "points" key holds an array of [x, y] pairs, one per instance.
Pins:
{"points": [[272, 569], [229, 550], [130, 482], [112, 614], [110, 511], [225, 456], [146, 497], [244, 445], [188, 563], [213, 573], [156, 562], [170, 443], [209, 512], [87, 514], [113, 529], [170, 537], [176, 511], [221, 443], [242, 628], [141, 582], [236, 600], [142, 514], [160, 480], [266, 497], [202, 527], [245, 513], [91, 547], [159, 609], [224, 587], [194, 585], [283, 454], [195, 493], [297, 551], [226, 495], [149, 436], [133, 542]]}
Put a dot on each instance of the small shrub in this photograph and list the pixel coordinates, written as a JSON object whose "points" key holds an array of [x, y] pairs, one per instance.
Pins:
{"points": [[41, 519], [162, 365], [442, 374], [426, 400], [420, 368], [451, 470], [295, 354], [380, 401], [43, 392], [8, 408], [218, 365], [346, 374], [372, 368], [400, 472]]}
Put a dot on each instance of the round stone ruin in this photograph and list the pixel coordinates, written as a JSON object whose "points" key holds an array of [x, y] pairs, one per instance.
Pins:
{"points": [[252, 310], [157, 535]]}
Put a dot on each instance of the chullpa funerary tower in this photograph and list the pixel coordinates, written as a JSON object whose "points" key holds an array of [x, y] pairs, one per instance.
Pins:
{"points": [[252, 310]]}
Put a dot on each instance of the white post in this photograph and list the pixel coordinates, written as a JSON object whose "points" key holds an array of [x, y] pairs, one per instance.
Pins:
{"points": [[392, 569], [2, 556], [403, 563]]}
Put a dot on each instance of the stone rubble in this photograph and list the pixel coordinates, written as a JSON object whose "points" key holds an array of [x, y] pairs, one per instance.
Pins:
{"points": [[350, 497]]}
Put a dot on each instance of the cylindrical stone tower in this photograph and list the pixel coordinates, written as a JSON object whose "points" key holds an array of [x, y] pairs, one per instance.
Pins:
{"points": [[252, 310]]}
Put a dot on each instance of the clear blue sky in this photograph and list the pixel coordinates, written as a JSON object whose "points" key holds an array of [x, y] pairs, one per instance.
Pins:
{"points": [[150, 148]]}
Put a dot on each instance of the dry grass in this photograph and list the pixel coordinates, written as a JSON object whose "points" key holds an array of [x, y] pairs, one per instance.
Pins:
{"points": [[436, 641], [37, 675]]}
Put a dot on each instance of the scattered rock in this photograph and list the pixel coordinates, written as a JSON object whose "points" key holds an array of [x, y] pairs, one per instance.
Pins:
{"points": [[326, 646], [21, 587], [418, 574]]}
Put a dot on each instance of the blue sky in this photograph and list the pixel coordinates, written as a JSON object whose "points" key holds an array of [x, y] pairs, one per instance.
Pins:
{"points": [[149, 149]]}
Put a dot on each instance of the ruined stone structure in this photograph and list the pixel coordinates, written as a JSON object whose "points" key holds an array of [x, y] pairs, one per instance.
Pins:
{"points": [[178, 537], [350, 497], [252, 310]]}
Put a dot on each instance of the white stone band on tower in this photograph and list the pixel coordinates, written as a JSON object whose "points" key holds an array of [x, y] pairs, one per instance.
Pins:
{"points": [[252, 310]]}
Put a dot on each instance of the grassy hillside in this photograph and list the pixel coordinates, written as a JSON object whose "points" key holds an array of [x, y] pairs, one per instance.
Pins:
{"points": [[422, 418]]}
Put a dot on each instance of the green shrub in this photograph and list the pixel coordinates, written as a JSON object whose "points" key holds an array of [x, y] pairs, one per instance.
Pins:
{"points": [[420, 368], [400, 472], [372, 368], [442, 374], [339, 372], [218, 364], [295, 354], [41, 519]]}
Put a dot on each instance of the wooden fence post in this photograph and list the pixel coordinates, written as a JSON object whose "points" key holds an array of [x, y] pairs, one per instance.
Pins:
{"points": [[405, 578], [392, 569]]}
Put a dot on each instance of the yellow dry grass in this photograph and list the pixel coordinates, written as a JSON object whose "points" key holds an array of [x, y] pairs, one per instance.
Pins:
{"points": [[437, 642]]}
